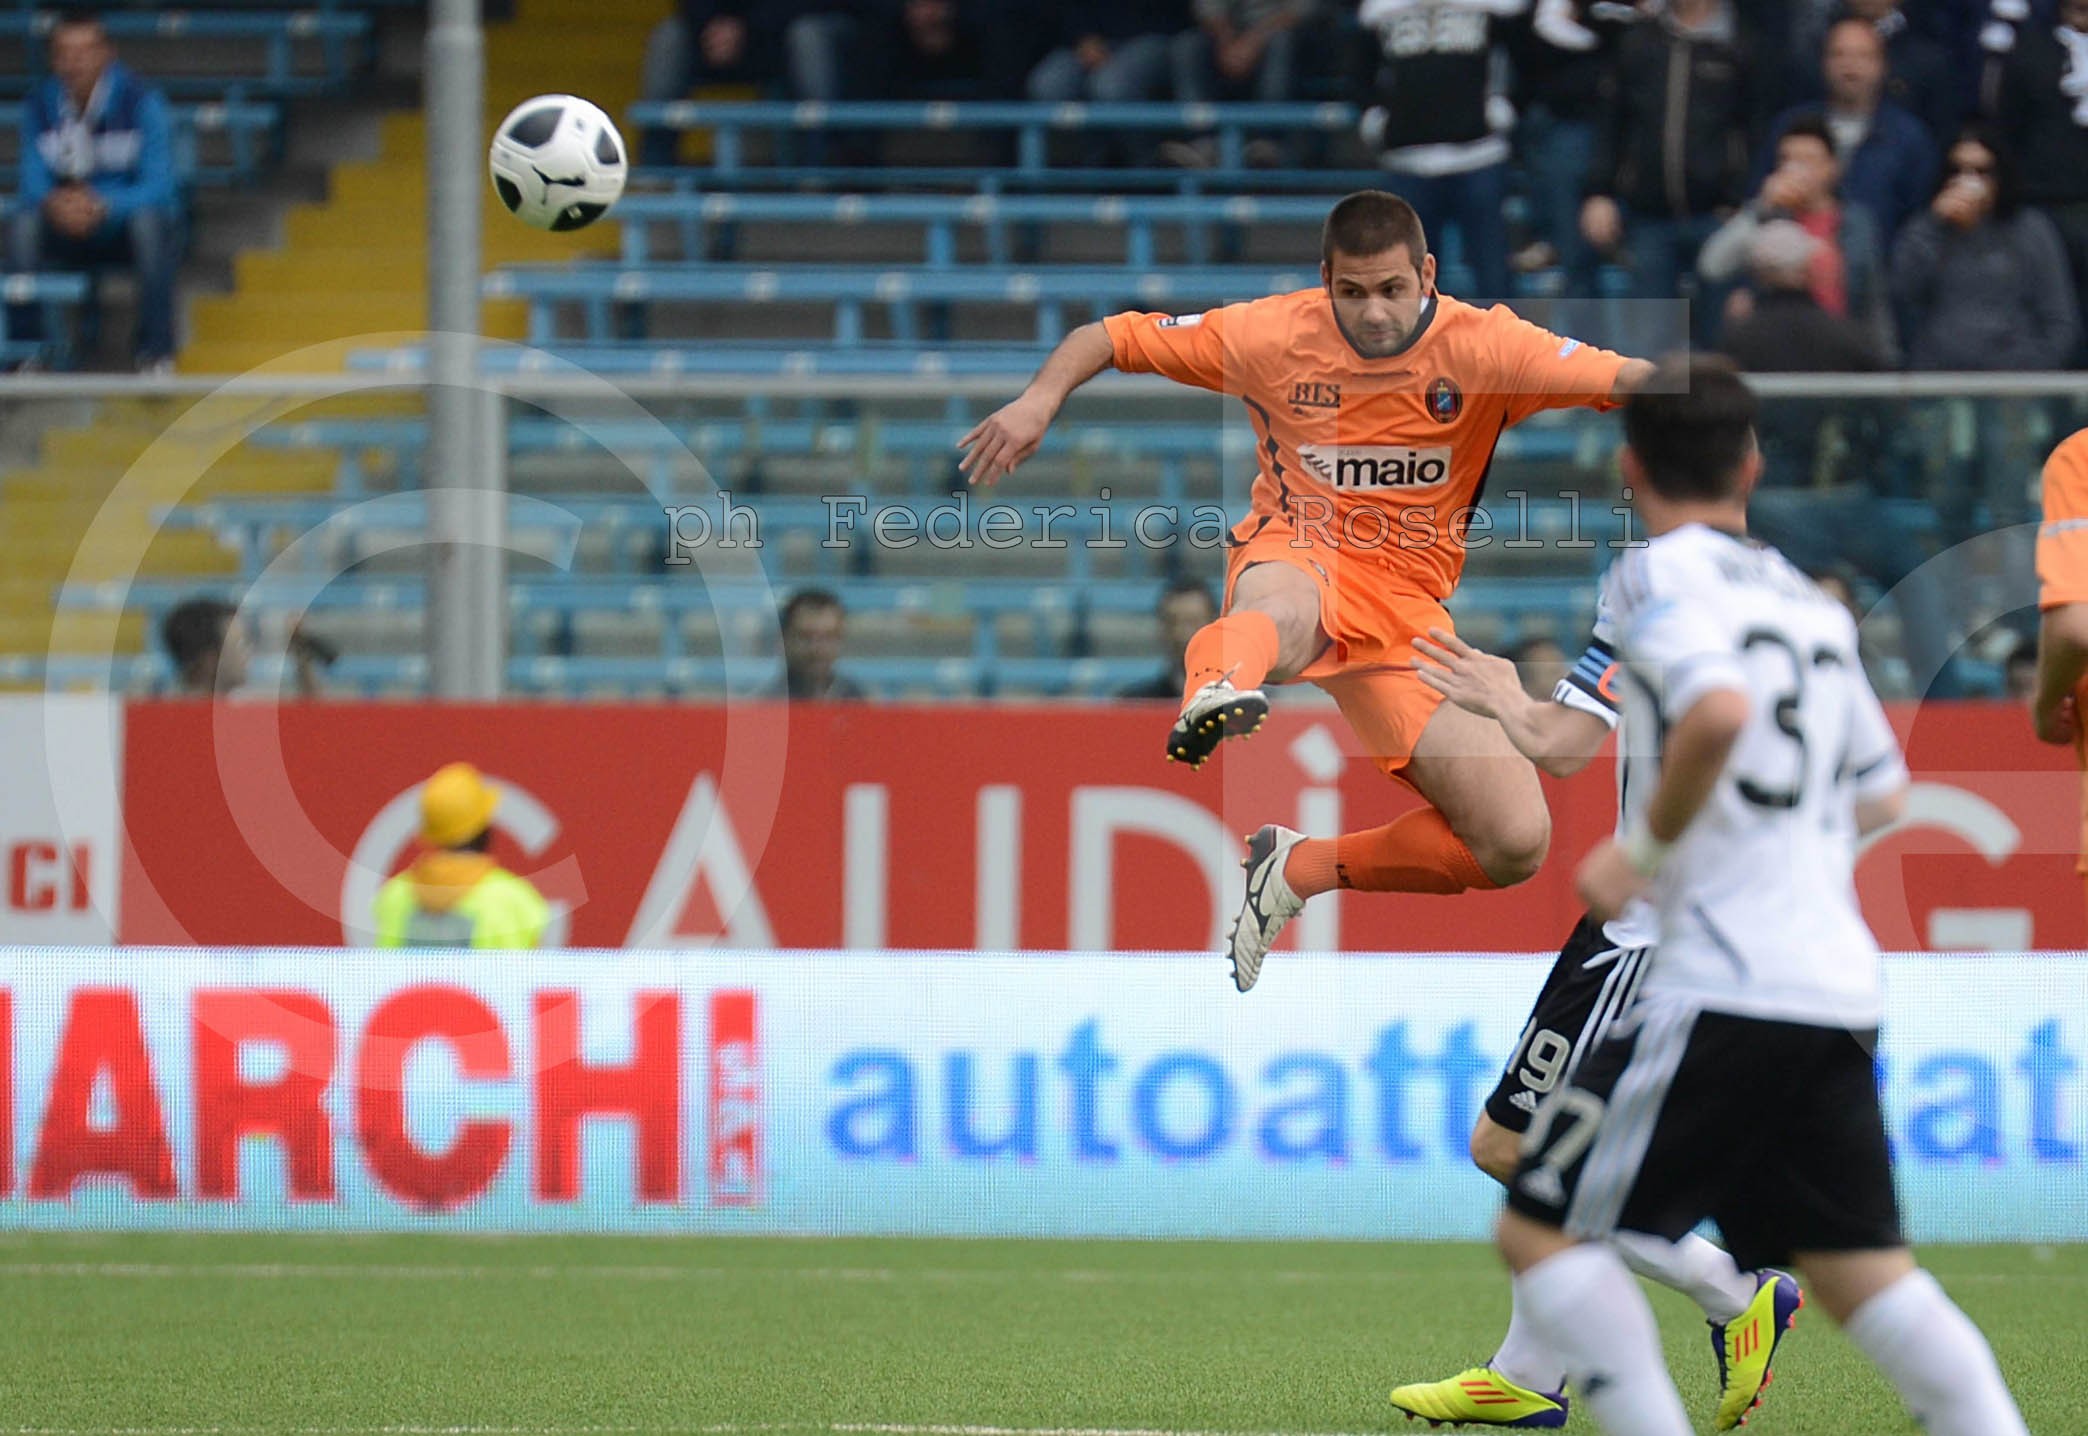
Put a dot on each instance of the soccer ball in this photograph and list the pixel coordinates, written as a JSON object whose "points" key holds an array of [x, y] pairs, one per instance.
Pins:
{"points": [[558, 162]]}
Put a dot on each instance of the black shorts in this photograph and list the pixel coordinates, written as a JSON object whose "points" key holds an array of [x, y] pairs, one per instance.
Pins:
{"points": [[1770, 1129], [1592, 982]]}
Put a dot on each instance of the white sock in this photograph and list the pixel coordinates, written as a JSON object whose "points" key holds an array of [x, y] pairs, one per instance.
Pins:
{"points": [[1585, 1306], [1523, 1357], [1933, 1354], [1700, 1270]]}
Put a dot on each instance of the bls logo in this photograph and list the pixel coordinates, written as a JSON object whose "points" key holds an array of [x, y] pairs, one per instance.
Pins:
{"points": [[1315, 394]]}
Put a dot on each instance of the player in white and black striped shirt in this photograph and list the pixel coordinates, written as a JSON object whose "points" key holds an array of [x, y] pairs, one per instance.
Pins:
{"points": [[1741, 1086]]}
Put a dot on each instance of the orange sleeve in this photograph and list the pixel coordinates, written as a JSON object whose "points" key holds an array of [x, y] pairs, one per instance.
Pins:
{"points": [[1187, 348], [1536, 369], [2062, 539]]}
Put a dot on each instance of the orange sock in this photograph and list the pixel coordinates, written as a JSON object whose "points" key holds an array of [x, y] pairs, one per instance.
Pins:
{"points": [[1240, 647], [1416, 853]]}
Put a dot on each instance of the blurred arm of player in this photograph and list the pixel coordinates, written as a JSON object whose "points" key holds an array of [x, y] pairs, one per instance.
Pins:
{"points": [[1187, 348], [1692, 760], [1012, 433], [2062, 660], [2062, 597], [1558, 738]]}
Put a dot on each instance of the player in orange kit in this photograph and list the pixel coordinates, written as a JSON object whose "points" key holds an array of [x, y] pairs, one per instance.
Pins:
{"points": [[1378, 403], [2062, 597]]}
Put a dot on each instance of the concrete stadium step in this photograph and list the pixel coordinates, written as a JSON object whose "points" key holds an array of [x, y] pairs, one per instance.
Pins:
{"points": [[113, 557], [295, 320], [73, 631]]}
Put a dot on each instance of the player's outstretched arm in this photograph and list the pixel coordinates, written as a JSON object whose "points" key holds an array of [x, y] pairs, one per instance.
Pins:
{"points": [[2062, 659], [1558, 739], [1693, 759], [1009, 435], [1634, 373]]}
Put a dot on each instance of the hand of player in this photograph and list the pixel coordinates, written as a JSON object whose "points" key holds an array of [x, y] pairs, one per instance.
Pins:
{"points": [[1607, 881], [2057, 723], [1482, 683], [1004, 439]]}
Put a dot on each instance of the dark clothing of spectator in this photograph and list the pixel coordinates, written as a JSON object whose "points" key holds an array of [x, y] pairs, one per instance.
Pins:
{"points": [[1789, 333], [1890, 170], [1139, 36], [1850, 274], [923, 53], [1117, 20], [803, 41], [2042, 112], [1920, 75], [119, 146], [1426, 78], [1674, 154], [1996, 296], [843, 689], [1681, 132], [1563, 52]]}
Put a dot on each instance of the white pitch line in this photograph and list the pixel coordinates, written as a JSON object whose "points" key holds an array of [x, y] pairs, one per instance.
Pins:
{"points": [[844, 1428], [350, 1271]]}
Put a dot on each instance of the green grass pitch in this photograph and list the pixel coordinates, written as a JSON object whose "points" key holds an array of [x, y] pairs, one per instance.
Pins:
{"points": [[165, 1334]]}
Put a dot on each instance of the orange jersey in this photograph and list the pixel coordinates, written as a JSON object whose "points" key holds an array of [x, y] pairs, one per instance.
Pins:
{"points": [[1383, 456], [2062, 557]]}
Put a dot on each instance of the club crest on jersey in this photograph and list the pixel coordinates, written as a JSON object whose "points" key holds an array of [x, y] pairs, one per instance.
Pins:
{"points": [[1376, 466], [1445, 400], [1315, 394]]}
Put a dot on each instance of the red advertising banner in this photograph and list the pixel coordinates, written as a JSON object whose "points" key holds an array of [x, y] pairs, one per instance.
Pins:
{"points": [[947, 827]]}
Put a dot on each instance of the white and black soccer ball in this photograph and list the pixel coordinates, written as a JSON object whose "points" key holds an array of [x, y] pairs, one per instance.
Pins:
{"points": [[558, 162]]}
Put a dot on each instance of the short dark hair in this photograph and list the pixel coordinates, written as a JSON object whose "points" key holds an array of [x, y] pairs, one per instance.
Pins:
{"points": [[809, 598], [1185, 584], [1691, 425], [75, 18], [194, 629], [1371, 221], [1806, 127]]}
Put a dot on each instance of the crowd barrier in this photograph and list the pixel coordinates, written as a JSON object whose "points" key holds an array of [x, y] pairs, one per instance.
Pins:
{"points": [[1001, 1094]]}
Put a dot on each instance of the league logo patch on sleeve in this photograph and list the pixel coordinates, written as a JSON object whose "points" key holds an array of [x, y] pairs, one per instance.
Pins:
{"points": [[1566, 349], [1181, 321]]}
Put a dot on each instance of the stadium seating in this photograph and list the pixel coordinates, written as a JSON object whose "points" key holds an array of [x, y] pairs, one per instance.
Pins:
{"points": [[219, 54]]}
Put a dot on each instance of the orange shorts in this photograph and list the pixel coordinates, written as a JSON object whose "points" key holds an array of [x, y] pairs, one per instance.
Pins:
{"points": [[1371, 624]]}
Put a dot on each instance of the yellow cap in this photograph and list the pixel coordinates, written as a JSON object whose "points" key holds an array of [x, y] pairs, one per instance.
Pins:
{"points": [[456, 805]]}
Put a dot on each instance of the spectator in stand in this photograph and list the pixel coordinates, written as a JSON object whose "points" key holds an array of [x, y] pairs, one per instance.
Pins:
{"points": [[1848, 279], [1674, 155], [1920, 74], [1980, 280], [1540, 664], [813, 622], [1786, 328], [2019, 671], [1888, 160], [2042, 111], [1109, 50], [1563, 53], [744, 42], [1239, 50], [927, 50], [212, 651], [1185, 607], [1428, 79], [98, 184]]}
